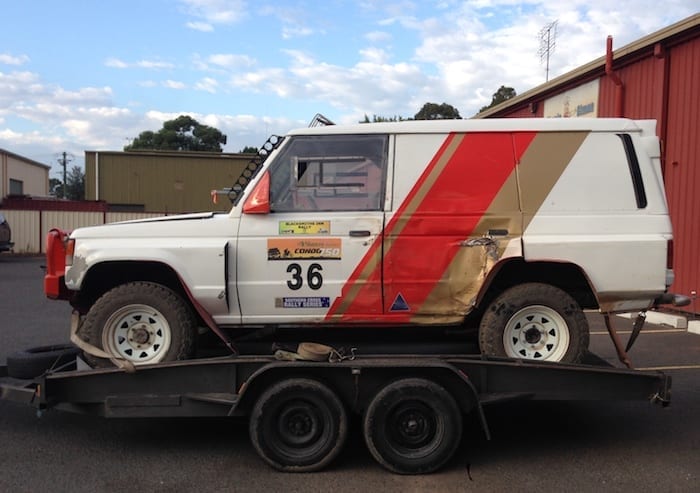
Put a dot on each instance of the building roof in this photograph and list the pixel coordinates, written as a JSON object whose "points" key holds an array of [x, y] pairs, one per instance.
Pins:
{"points": [[597, 66], [24, 159]]}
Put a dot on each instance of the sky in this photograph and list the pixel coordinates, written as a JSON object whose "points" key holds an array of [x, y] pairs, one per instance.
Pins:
{"points": [[79, 75]]}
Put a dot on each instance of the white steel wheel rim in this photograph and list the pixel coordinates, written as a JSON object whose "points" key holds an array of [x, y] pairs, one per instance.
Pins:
{"points": [[536, 332], [138, 333]]}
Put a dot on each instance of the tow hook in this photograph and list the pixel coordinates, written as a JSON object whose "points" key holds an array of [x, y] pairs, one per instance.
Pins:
{"points": [[636, 329]]}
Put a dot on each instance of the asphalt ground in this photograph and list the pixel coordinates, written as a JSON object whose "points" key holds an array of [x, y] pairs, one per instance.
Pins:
{"points": [[535, 446]]}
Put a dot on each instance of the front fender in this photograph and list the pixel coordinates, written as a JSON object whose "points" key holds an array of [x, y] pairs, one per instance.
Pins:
{"points": [[200, 263]]}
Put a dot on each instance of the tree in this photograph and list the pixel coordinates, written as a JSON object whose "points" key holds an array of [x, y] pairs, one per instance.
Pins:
{"points": [[378, 119], [434, 111], [249, 150], [75, 184], [184, 133], [503, 94], [55, 187]]}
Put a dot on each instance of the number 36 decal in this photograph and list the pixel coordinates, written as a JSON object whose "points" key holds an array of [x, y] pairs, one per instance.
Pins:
{"points": [[313, 276]]}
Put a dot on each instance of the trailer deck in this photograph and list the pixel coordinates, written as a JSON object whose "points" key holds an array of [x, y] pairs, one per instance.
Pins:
{"points": [[247, 385]]}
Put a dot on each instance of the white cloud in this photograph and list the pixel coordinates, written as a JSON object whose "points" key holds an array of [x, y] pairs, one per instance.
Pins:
{"points": [[289, 32], [214, 12], [8, 59], [147, 64], [204, 27], [230, 60], [174, 84], [116, 63], [378, 36], [154, 64], [207, 84]]}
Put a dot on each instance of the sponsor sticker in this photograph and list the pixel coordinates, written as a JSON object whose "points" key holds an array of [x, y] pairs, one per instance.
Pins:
{"points": [[306, 249], [305, 227], [303, 302], [399, 304]]}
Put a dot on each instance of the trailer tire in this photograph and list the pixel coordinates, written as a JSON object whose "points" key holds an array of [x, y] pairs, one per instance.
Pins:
{"points": [[141, 322], [537, 322], [413, 426], [34, 362], [298, 425]]}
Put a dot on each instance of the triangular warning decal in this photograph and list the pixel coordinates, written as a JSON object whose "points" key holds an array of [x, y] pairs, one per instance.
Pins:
{"points": [[399, 304]]}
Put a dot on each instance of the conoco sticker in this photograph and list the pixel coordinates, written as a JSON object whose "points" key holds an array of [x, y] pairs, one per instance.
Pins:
{"points": [[306, 249]]}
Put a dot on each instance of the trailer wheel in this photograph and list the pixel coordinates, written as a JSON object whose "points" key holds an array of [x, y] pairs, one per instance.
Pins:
{"points": [[141, 322], [33, 362], [536, 322], [298, 425], [413, 426]]}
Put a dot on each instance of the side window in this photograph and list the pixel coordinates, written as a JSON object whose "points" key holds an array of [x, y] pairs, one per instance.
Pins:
{"points": [[330, 173]]}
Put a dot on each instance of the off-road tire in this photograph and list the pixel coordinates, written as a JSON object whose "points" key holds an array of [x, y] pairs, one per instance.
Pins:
{"points": [[172, 323], [537, 322], [33, 362], [412, 426]]}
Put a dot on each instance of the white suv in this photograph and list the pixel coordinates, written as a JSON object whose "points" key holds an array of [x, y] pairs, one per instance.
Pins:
{"points": [[518, 225]]}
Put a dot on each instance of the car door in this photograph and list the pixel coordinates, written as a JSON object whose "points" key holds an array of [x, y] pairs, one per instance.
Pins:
{"points": [[324, 221]]}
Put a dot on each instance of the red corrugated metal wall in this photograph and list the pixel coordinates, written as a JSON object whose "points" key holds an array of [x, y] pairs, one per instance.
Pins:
{"points": [[643, 90], [682, 167], [662, 82]]}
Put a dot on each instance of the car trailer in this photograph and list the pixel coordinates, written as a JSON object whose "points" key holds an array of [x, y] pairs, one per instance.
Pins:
{"points": [[412, 406]]}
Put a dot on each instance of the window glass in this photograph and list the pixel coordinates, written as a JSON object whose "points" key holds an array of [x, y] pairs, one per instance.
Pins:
{"points": [[330, 173], [16, 187]]}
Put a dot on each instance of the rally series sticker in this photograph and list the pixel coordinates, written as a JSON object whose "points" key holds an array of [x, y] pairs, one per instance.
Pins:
{"points": [[303, 302], [306, 249], [305, 227]]}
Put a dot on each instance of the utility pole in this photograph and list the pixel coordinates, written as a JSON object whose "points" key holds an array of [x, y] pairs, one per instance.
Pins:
{"points": [[548, 40], [63, 161]]}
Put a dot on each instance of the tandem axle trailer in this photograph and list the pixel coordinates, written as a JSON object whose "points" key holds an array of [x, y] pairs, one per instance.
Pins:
{"points": [[412, 406]]}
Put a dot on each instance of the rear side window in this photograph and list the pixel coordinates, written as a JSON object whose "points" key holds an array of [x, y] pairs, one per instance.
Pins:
{"points": [[636, 173], [330, 173]]}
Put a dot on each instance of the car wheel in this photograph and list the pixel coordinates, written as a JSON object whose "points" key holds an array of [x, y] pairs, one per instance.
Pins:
{"points": [[298, 425], [140, 322], [413, 426], [536, 322]]}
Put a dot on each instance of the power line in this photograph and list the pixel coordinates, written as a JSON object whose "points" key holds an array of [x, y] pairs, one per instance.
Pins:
{"points": [[548, 40]]}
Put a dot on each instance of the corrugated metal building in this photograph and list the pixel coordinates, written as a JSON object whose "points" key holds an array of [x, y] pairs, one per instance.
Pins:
{"points": [[22, 176], [655, 77], [160, 181]]}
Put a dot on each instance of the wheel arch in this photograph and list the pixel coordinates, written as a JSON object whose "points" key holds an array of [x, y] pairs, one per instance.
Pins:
{"points": [[104, 276], [566, 276]]}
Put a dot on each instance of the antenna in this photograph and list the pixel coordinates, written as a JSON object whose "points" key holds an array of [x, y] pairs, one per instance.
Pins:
{"points": [[548, 40]]}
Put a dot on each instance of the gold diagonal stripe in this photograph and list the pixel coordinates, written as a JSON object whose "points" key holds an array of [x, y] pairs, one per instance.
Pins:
{"points": [[539, 169], [541, 166]]}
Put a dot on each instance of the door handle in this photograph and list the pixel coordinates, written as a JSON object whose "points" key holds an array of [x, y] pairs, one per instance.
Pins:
{"points": [[359, 233]]}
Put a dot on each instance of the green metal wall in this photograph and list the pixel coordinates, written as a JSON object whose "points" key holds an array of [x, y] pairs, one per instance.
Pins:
{"points": [[167, 182]]}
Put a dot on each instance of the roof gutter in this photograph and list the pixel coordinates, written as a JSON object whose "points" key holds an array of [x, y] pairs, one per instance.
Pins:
{"points": [[619, 86]]}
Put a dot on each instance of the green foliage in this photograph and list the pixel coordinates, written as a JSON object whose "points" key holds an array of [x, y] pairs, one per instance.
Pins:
{"points": [[378, 119], [184, 133], [249, 150], [434, 111], [502, 94], [75, 184], [55, 187]]}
